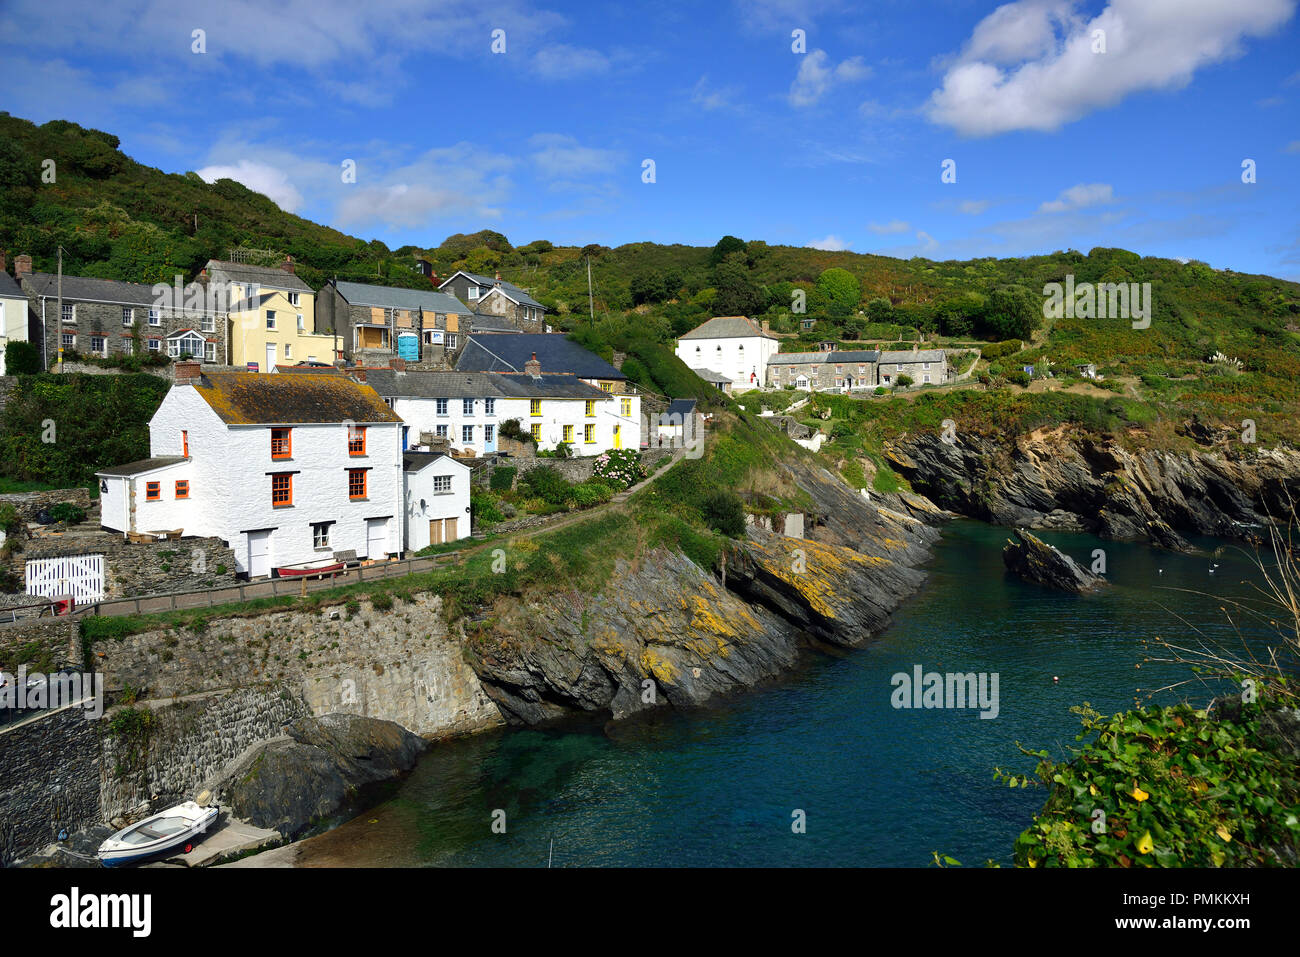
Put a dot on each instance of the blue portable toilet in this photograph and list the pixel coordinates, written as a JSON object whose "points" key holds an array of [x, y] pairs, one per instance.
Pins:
{"points": [[408, 347]]}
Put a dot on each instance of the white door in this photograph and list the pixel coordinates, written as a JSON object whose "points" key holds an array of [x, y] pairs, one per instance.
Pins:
{"points": [[259, 554], [377, 538], [270, 357]]}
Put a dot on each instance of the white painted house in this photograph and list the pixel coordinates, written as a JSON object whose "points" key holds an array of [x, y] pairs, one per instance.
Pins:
{"points": [[468, 408], [13, 313], [437, 499], [287, 469], [734, 346]]}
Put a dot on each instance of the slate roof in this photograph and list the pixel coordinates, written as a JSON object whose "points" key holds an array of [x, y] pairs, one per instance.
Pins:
{"points": [[923, 355], [417, 461], [392, 297], [142, 466], [272, 276], [728, 327], [498, 352], [681, 407], [478, 385], [9, 287], [85, 289], [708, 375], [509, 288], [487, 322], [802, 358], [251, 398]]}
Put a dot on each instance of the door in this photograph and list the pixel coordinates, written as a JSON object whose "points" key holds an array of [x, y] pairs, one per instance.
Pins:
{"points": [[270, 356], [259, 554], [618, 436], [449, 528], [377, 538], [435, 531]]}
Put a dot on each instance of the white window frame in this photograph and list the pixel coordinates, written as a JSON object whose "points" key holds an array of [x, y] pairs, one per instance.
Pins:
{"points": [[155, 316], [293, 298], [442, 485], [440, 431], [440, 406], [467, 433], [270, 319], [128, 317], [467, 406], [102, 350], [473, 291], [209, 352], [288, 351], [489, 406], [68, 335], [69, 313], [320, 534]]}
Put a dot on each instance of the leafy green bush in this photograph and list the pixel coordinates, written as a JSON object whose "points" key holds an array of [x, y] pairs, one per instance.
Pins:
{"points": [[22, 358], [67, 513], [1019, 377], [11, 522], [1000, 350], [484, 508], [549, 485], [723, 511], [503, 478], [592, 493]]}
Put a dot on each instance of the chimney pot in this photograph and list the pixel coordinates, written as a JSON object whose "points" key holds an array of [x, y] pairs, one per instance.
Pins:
{"points": [[287, 265], [397, 364], [533, 367], [187, 372], [4, 264], [22, 266]]}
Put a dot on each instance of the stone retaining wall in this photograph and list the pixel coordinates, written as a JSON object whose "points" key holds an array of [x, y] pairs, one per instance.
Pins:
{"points": [[43, 644]]}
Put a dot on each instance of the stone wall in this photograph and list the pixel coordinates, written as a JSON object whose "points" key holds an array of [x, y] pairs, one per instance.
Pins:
{"points": [[49, 779], [7, 385], [149, 568], [398, 663], [28, 504], [50, 643]]}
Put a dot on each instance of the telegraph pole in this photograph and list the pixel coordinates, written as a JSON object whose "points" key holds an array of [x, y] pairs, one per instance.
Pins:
{"points": [[591, 303], [60, 312]]}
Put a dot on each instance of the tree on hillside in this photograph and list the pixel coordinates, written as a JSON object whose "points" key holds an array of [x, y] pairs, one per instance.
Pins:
{"points": [[841, 290], [738, 294], [880, 310], [1013, 312], [727, 246]]}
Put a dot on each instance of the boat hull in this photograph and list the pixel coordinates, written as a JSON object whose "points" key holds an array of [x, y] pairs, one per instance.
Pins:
{"points": [[116, 853]]}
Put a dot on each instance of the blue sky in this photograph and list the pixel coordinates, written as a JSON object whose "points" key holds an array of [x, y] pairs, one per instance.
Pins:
{"points": [[1056, 144]]}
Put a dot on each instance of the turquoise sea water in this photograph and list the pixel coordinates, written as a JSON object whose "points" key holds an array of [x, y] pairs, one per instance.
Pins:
{"points": [[879, 786]]}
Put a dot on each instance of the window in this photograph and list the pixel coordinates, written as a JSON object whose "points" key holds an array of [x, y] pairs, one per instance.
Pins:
{"points": [[591, 408], [152, 491], [209, 352], [607, 386], [467, 406], [69, 340], [302, 323], [489, 433], [293, 299], [288, 351], [182, 488], [442, 485], [467, 433], [489, 406], [281, 490], [155, 316], [69, 312], [270, 318], [128, 316], [440, 431], [536, 432], [99, 345], [534, 406], [568, 433], [320, 534], [281, 443], [625, 408], [925, 366], [589, 434], [473, 292], [926, 378], [128, 347], [185, 344], [155, 345], [356, 440], [451, 340], [441, 406], [356, 483], [185, 442], [208, 324]]}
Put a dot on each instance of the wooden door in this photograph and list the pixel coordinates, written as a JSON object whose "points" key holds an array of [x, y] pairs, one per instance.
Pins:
{"points": [[450, 529], [435, 531]]}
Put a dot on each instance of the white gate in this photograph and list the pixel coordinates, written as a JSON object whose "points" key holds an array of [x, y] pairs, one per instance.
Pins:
{"points": [[81, 576]]}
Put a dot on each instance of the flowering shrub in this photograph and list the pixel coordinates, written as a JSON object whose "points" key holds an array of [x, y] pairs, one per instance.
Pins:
{"points": [[621, 468]]}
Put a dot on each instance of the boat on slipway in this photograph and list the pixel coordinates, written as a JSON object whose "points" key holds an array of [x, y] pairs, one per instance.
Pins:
{"points": [[165, 831]]}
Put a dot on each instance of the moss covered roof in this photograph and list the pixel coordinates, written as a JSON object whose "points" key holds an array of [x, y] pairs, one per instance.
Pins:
{"points": [[252, 398]]}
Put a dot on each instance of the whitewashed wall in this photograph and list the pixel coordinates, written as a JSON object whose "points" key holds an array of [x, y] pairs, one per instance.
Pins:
{"points": [[423, 504]]}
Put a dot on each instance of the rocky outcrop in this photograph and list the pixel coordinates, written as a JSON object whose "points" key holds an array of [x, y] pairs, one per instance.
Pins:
{"points": [[1034, 560], [664, 631], [316, 770], [1065, 479]]}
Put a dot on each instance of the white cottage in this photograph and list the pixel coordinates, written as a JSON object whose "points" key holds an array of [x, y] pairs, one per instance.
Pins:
{"points": [[289, 469], [735, 346], [437, 499], [13, 313]]}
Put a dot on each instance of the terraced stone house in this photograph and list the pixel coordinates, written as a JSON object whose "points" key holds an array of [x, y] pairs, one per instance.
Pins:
{"points": [[374, 323], [494, 296], [922, 366], [823, 371]]}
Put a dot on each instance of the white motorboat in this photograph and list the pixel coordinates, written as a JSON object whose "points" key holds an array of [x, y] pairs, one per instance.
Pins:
{"points": [[175, 827]]}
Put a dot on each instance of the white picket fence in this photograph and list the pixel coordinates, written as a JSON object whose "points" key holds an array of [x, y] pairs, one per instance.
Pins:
{"points": [[81, 576]]}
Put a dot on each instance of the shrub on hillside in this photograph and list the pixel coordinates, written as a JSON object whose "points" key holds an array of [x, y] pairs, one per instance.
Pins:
{"points": [[723, 511], [549, 485], [22, 358], [621, 468], [502, 479]]}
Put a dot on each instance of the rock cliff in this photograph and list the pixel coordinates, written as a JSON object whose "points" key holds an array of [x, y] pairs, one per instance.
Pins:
{"points": [[1034, 560], [1065, 479]]}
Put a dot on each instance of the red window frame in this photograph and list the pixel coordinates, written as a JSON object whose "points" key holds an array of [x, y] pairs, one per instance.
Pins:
{"points": [[182, 488], [281, 489], [185, 442], [356, 440], [152, 491], [356, 484], [282, 443]]}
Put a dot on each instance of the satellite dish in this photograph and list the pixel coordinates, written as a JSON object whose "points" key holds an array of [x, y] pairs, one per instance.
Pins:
{"points": [[204, 798]]}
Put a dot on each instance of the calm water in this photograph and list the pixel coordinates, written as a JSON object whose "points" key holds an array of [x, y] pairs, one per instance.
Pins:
{"points": [[881, 787]]}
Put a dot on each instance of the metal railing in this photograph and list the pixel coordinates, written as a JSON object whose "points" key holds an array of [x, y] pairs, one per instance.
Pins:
{"points": [[266, 588]]}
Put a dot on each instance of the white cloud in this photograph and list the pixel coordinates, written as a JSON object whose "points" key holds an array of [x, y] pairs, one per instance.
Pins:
{"points": [[560, 62], [1029, 65], [270, 181], [928, 242], [831, 243], [816, 76], [973, 207], [1293, 147], [457, 181], [885, 229], [561, 157], [1078, 197], [708, 97]]}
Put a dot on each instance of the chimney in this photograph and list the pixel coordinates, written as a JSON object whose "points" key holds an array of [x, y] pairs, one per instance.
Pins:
{"points": [[916, 347], [4, 264], [187, 372], [533, 367], [766, 327], [287, 265], [359, 375], [397, 364], [22, 266]]}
